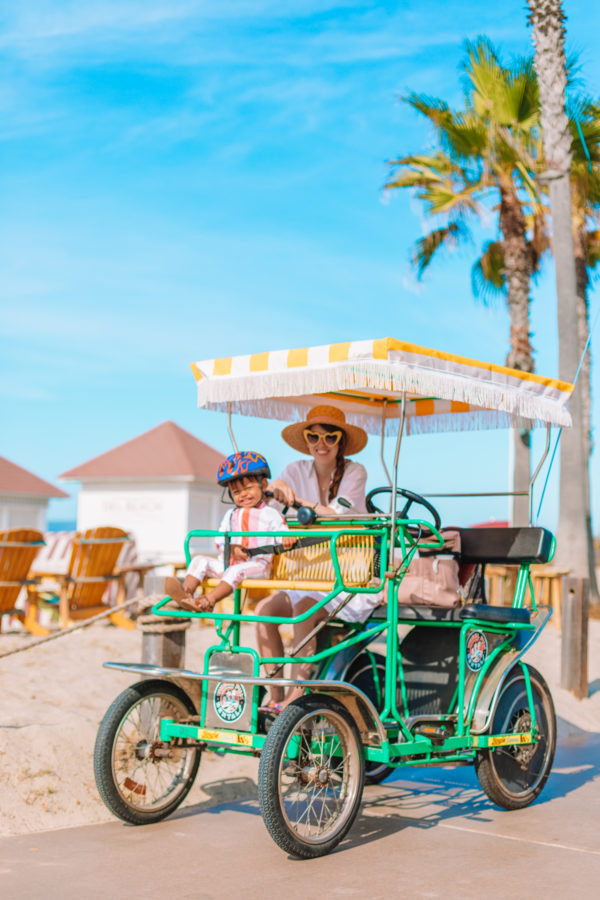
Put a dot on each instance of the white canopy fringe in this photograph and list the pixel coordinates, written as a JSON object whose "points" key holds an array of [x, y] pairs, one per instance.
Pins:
{"points": [[444, 392]]}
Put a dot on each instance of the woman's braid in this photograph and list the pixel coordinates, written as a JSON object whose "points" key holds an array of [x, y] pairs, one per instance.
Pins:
{"points": [[340, 466]]}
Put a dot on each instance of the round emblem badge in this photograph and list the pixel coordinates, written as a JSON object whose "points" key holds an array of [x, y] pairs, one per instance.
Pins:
{"points": [[229, 701], [477, 650]]}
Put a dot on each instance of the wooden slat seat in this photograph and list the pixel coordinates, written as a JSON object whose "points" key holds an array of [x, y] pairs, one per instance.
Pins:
{"points": [[92, 566], [18, 549]]}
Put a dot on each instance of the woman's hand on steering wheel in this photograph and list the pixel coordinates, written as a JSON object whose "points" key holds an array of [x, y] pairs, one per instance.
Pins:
{"points": [[410, 498]]}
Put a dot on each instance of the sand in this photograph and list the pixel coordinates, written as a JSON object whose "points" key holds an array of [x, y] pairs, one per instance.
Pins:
{"points": [[54, 696]]}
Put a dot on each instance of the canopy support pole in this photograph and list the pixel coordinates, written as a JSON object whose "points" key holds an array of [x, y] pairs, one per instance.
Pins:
{"points": [[537, 472], [385, 468], [395, 481], [230, 429]]}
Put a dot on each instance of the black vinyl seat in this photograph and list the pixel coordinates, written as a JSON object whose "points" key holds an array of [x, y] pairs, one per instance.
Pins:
{"points": [[498, 614], [505, 546], [501, 614]]}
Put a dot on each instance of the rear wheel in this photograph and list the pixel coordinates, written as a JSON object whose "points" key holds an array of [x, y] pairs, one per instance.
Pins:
{"points": [[310, 778], [140, 778], [513, 776], [367, 673]]}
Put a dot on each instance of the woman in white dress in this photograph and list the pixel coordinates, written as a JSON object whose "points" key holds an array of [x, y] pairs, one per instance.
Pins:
{"points": [[331, 484]]}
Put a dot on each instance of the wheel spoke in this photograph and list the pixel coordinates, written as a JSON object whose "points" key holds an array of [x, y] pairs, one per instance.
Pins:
{"points": [[314, 785], [146, 781]]}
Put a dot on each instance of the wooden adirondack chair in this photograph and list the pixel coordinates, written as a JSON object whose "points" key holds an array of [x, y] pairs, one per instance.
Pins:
{"points": [[18, 549], [92, 567]]}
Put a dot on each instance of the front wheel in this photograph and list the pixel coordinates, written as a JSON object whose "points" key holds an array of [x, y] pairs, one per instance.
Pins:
{"points": [[310, 778], [140, 778], [513, 776]]}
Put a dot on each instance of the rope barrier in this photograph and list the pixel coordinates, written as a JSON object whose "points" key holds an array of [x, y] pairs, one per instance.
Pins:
{"points": [[64, 631], [156, 625]]}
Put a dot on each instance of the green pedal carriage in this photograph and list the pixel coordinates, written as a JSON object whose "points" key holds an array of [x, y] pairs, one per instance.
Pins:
{"points": [[415, 684]]}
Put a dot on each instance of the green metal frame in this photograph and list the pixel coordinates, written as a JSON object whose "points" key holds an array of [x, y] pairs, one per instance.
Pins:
{"points": [[401, 746]]}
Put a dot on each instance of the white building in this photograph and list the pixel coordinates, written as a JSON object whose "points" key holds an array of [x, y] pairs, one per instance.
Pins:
{"points": [[158, 486], [24, 497]]}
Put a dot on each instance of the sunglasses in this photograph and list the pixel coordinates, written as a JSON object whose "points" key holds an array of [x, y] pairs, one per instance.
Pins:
{"points": [[329, 438]]}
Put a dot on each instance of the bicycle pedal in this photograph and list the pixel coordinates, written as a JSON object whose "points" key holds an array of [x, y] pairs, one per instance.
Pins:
{"points": [[435, 735]]}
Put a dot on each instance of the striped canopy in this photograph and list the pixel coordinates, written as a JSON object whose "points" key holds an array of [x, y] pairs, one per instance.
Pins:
{"points": [[367, 379]]}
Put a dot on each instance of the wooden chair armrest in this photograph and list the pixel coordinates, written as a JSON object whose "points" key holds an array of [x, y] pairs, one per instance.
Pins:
{"points": [[140, 568], [40, 573], [24, 582]]}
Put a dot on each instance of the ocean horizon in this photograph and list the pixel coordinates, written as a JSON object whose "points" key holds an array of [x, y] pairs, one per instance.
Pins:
{"points": [[62, 525]]}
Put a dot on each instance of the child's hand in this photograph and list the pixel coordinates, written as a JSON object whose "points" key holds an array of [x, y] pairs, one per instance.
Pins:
{"points": [[288, 542], [238, 554], [204, 604]]}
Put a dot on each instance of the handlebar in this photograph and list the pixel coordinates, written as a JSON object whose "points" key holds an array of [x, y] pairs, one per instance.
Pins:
{"points": [[306, 515]]}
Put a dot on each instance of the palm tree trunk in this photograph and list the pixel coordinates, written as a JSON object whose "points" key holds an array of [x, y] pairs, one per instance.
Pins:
{"points": [[548, 20], [521, 474], [582, 277], [583, 331]]}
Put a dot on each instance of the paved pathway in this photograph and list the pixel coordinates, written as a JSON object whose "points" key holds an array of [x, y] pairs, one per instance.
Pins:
{"points": [[427, 833]]}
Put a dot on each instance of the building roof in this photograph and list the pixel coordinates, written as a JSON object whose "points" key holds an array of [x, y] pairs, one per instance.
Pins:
{"points": [[165, 451], [16, 480]]}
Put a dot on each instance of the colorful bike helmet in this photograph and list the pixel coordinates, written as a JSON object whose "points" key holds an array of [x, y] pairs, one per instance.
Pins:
{"points": [[241, 464]]}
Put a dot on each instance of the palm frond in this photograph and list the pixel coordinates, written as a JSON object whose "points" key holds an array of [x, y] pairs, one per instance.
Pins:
{"points": [[529, 183], [593, 248], [482, 70], [488, 281], [436, 110], [520, 99], [427, 246], [539, 239], [465, 136], [444, 198]]}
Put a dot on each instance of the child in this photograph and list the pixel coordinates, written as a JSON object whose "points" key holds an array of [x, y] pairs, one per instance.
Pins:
{"points": [[246, 476]]}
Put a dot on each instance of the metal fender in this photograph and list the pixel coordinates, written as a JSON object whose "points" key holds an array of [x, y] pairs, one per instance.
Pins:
{"points": [[491, 687]]}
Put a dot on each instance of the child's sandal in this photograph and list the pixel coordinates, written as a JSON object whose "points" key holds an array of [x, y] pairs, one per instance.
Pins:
{"points": [[267, 715], [190, 604], [272, 708]]}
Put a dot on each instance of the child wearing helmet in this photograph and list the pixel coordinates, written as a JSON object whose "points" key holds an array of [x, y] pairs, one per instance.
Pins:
{"points": [[245, 474]]}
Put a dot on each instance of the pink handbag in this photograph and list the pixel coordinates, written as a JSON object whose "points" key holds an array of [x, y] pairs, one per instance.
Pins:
{"points": [[432, 577]]}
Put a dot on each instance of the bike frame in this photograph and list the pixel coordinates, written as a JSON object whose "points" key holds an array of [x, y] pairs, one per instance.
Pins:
{"points": [[389, 737]]}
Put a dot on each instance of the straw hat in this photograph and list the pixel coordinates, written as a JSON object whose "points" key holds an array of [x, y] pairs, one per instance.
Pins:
{"points": [[293, 435]]}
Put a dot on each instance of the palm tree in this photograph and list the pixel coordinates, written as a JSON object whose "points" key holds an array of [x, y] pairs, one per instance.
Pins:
{"points": [[548, 22], [584, 121], [486, 153]]}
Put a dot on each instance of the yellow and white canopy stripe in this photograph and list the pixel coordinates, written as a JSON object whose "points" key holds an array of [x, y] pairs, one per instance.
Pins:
{"points": [[367, 378]]}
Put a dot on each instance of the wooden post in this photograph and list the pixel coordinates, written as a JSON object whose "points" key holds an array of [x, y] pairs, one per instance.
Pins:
{"points": [[160, 648], [163, 639], [574, 644]]}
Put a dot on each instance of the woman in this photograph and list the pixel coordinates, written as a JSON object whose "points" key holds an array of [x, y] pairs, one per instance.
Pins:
{"points": [[331, 484]]}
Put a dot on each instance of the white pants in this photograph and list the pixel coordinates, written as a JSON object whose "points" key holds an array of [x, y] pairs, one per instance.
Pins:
{"points": [[357, 609], [202, 567]]}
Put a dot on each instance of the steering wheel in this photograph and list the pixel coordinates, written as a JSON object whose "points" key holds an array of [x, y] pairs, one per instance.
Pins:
{"points": [[410, 498]]}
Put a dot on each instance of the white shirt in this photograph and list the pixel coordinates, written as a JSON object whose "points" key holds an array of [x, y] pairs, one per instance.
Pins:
{"points": [[254, 518], [302, 478]]}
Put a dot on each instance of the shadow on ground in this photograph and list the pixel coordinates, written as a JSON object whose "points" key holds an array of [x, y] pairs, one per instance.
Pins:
{"points": [[423, 797]]}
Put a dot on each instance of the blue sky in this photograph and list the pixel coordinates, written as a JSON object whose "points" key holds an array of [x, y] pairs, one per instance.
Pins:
{"points": [[191, 179]]}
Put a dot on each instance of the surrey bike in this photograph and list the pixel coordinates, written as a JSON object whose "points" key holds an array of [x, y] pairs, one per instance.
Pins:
{"points": [[454, 689]]}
